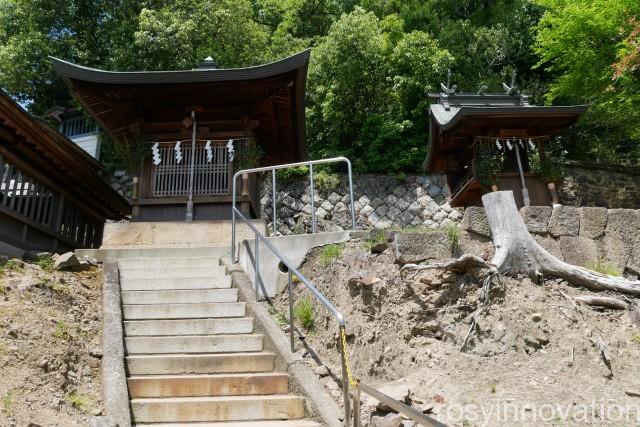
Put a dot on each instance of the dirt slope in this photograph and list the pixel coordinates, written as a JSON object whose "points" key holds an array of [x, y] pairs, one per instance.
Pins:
{"points": [[50, 347], [533, 360]]}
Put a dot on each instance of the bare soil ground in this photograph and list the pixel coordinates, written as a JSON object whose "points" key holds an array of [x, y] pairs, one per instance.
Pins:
{"points": [[533, 360], [50, 348]]}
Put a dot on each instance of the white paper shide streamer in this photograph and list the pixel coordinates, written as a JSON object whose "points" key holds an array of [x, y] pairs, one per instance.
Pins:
{"points": [[155, 152], [209, 151], [230, 150], [178, 151]]}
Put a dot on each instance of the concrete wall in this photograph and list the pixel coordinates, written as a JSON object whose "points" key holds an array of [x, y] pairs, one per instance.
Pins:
{"points": [[294, 248]]}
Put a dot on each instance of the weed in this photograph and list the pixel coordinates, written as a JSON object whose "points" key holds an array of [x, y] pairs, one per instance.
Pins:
{"points": [[326, 181], [7, 400], [3, 290], [12, 265], [280, 319], [46, 263], [453, 233], [374, 239], [77, 400], [603, 267], [493, 388], [304, 314], [62, 330], [330, 253], [636, 339]]}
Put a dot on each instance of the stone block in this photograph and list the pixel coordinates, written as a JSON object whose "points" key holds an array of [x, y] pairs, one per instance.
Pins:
{"points": [[633, 264], [550, 244], [418, 247], [475, 220], [578, 250], [565, 221], [623, 224], [593, 222], [616, 251], [536, 218]]}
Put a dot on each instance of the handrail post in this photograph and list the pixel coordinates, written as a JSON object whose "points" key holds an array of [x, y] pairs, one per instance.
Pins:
{"points": [[356, 407], [256, 269], [345, 378], [293, 347], [233, 220], [353, 203], [273, 200], [313, 209]]}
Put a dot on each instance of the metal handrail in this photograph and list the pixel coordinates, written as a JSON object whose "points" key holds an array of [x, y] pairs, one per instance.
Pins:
{"points": [[403, 409], [273, 170], [316, 293]]}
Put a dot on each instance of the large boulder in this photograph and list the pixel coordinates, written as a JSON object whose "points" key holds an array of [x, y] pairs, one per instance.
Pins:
{"points": [[536, 218], [66, 261], [418, 247], [475, 220], [593, 221], [389, 420], [565, 221]]}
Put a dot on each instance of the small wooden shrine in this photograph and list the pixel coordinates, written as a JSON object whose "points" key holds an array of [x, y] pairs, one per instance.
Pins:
{"points": [[486, 142], [196, 128], [53, 195]]}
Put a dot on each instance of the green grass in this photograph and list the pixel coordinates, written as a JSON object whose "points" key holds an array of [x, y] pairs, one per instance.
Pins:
{"points": [[3, 290], [12, 265], [330, 253], [46, 263], [304, 314], [453, 233], [376, 237], [280, 319], [77, 400], [636, 339], [7, 401], [62, 330], [604, 267]]}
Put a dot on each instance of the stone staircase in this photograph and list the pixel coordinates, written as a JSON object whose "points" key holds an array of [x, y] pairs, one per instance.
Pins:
{"points": [[193, 358]]}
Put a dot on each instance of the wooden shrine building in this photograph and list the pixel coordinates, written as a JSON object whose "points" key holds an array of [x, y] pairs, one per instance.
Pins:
{"points": [[196, 128], [52, 193], [494, 141]]}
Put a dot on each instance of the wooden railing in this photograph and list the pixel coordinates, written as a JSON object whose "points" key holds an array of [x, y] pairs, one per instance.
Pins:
{"points": [[44, 212]]}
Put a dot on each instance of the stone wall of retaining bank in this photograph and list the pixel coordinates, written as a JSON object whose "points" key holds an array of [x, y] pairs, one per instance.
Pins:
{"points": [[579, 236], [381, 201]]}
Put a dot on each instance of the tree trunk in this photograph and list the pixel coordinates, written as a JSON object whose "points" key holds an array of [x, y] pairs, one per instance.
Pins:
{"points": [[518, 253]]}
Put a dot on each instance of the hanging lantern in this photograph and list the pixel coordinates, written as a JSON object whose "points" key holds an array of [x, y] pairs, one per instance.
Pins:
{"points": [[155, 152], [209, 151], [178, 152]]}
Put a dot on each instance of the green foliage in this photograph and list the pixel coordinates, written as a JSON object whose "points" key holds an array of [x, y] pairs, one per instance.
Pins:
{"points": [[547, 168], [375, 238], [636, 339], [7, 401], [603, 267], [46, 263], [330, 253], [62, 331], [304, 314], [280, 318], [12, 265], [77, 400], [248, 155], [324, 180], [292, 173], [488, 164], [127, 156]]}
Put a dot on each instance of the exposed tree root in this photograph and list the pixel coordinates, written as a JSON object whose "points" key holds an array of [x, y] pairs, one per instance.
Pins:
{"points": [[609, 302]]}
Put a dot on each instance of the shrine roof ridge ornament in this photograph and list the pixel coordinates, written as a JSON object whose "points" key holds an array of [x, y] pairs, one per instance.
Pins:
{"points": [[69, 70]]}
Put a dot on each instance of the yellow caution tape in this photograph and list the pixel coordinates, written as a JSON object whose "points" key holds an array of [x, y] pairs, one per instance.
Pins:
{"points": [[352, 381]]}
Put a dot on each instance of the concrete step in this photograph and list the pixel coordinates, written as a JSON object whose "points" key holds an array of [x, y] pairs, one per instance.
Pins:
{"points": [[154, 284], [217, 408], [279, 423], [170, 272], [193, 344], [183, 296], [169, 262], [183, 311], [200, 363], [208, 385], [241, 325], [105, 253]]}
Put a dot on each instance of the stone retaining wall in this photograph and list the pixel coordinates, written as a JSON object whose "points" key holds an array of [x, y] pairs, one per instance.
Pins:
{"points": [[122, 183], [578, 236], [597, 185], [381, 202]]}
